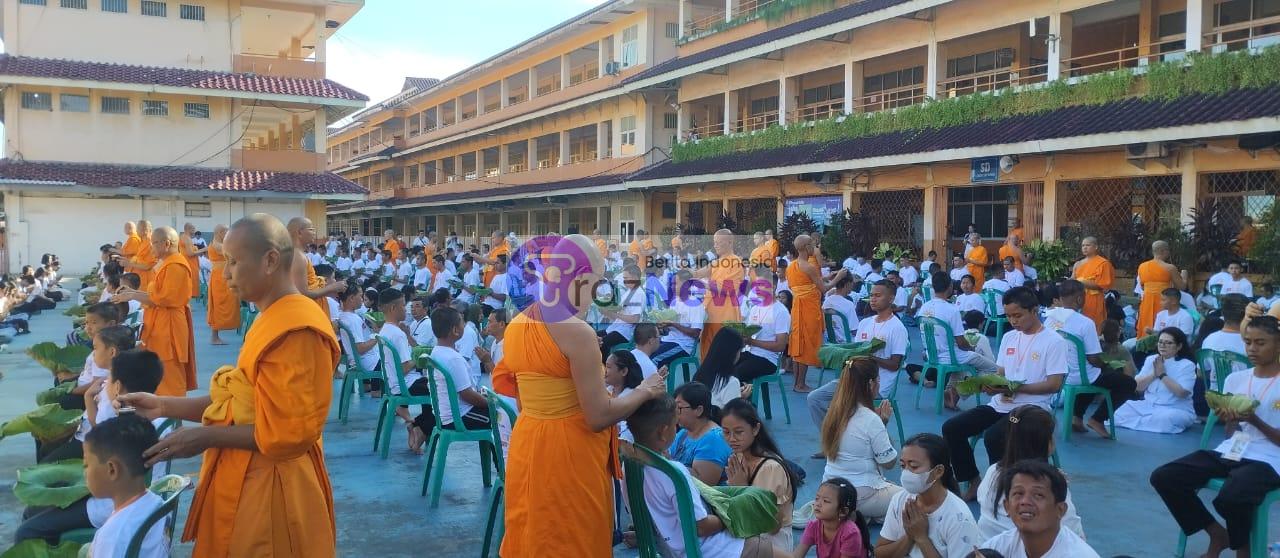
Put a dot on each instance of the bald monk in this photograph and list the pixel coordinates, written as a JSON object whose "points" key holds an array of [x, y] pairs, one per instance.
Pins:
{"points": [[166, 323], [390, 243], [1012, 249], [761, 254], [559, 490], [263, 490], [977, 260], [497, 247], [677, 243], [1097, 274], [1155, 275], [144, 260], [807, 287], [302, 233], [192, 254], [224, 305], [724, 278], [600, 244], [132, 242]]}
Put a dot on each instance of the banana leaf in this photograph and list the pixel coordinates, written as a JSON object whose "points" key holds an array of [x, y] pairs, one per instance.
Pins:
{"points": [[663, 315], [1147, 344], [746, 511], [51, 484], [1238, 404], [972, 336], [974, 385], [1114, 364], [75, 311], [59, 360], [420, 354], [835, 355], [52, 395], [374, 319], [39, 548], [743, 329], [483, 292], [46, 423], [455, 283]]}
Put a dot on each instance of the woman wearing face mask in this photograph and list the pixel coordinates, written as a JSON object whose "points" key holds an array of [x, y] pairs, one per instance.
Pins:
{"points": [[927, 519], [1029, 437]]}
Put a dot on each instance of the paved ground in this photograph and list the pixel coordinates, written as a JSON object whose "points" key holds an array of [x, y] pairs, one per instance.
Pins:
{"points": [[380, 512]]}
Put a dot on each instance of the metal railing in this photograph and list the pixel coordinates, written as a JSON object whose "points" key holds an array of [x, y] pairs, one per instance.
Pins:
{"points": [[816, 111], [1254, 34], [695, 26], [705, 131], [547, 85], [756, 122], [887, 99], [992, 80], [584, 73], [517, 167], [1127, 57]]}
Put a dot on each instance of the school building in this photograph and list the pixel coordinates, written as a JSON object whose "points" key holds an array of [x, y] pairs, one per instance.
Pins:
{"points": [[172, 111], [614, 120]]}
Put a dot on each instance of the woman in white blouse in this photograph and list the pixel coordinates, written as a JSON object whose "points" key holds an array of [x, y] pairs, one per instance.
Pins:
{"points": [[1167, 380], [855, 441], [1030, 436]]}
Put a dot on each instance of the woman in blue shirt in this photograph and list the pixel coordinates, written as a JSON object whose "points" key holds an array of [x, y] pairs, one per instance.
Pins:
{"points": [[700, 444]]}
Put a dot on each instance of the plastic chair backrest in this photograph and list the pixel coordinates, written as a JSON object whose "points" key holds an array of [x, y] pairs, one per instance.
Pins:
{"points": [[353, 360], [990, 296], [434, 369], [498, 405], [1223, 364], [831, 330], [927, 325], [1196, 318], [385, 347], [169, 488], [633, 467], [1081, 359]]}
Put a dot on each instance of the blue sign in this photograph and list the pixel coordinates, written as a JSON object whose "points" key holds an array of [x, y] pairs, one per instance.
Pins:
{"points": [[984, 170], [819, 208]]}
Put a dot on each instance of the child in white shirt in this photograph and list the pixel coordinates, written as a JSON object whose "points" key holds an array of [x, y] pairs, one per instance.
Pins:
{"points": [[448, 326], [114, 468]]}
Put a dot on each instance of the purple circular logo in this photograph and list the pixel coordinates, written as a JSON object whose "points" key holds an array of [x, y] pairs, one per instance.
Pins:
{"points": [[555, 269]]}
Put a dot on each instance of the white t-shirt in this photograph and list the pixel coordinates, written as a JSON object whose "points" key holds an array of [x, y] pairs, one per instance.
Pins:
{"points": [[864, 446], [1066, 545], [660, 496], [894, 335], [1182, 320], [1015, 278], [692, 315], [469, 279], [343, 264], [1183, 373], [846, 307], [466, 346], [647, 368], [334, 307], [90, 372], [909, 275], [998, 285], [974, 301], [355, 324], [1224, 341], [1260, 448], [993, 519], [948, 313], [1070, 321], [1029, 359], [1237, 286], [400, 342], [958, 273], [457, 368], [951, 526], [422, 278], [421, 331], [774, 320], [111, 540], [500, 284], [631, 302]]}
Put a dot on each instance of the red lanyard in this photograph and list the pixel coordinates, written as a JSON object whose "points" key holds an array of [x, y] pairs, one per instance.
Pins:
{"points": [[1261, 396]]}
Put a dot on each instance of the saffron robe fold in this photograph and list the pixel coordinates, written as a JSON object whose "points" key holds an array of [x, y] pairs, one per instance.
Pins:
{"points": [[978, 270], [224, 305], [1155, 278], [167, 326], [806, 317], [1099, 270], [721, 296]]}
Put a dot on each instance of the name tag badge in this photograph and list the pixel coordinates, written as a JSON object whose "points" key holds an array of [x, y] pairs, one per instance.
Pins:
{"points": [[1239, 442]]}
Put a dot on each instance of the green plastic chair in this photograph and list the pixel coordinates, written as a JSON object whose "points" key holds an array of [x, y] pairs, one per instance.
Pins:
{"points": [[443, 436], [623, 347], [633, 470], [354, 373], [928, 325], [170, 488], [204, 293], [1216, 291], [247, 316], [1196, 318], [497, 406], [387, 416], [688, 366], [831, 337], [893, 394], [1070, 391], [991, 297], [761, 384], [1223, 362]]}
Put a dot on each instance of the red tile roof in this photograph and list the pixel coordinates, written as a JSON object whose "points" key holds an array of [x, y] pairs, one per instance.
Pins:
{"points": [[96, 175], [175, 77], [542, 188]]}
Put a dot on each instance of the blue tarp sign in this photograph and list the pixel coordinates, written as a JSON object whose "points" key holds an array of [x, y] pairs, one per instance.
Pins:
{"points": [[819, 208]]}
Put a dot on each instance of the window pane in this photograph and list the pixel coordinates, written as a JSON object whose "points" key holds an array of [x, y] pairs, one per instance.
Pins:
{"points": [[196, 110], [117, 6], [75, 4], [154, 8], [985, 62], [33, 2], [155, 108], [73, 103], [195, 13], [37, 101]]}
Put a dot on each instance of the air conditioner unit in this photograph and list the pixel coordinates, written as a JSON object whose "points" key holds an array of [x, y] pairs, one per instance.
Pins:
{"points": [[827, 178], [612, 68], [1148, 150]]}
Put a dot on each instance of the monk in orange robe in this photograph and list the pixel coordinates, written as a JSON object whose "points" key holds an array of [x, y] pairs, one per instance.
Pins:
{"points": [[761, 254], [143, 261], [308, 284], [601, 245], [390, 244], [224, 305], [166, 324], [132, 242], [724, 278], [807, 288], [1097, 274], [192, 254], [561, 462], [677, 243], [1011, 249], [1019, 232], [977, 260], [1246, 238], [497, 247], [1156, 275], [264, 489]]}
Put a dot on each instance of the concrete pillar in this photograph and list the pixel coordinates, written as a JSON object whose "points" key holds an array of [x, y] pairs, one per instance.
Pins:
{"points": [[1196, 23], [730, 111], [600, 54], [601, 224], [564, 148], [1060, 26], [786, 87], [1146, 28], [504, 91], [931, 73], [533, 82], [1049, 218], [503, 159], [681, 19], [562, 227], [479, 101], [319, 119], [852, 85], [602, 140], [728, 10], [564, 71], [531, 155], [1190, 183]]}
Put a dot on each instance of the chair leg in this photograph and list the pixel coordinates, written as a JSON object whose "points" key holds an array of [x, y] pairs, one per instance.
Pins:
{"points": [[786, 407], [1182, 545], [764, 395], [388, 421], [897, 417], [1112, 409], [486, 462], [1068, 411], [437, 474], [939, 391], [431, 457], [377, 434], [495, 508], [1208, 428]]}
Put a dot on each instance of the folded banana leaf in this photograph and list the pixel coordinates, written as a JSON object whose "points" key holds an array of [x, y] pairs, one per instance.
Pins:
{"points": [[46, 423], [1147, 344], [483, 292], [974, 385], [663, 315], [455, 283], [39, 548], [59, 360], [746, 511], [1238, 404], [1114, 364], [75, 311], [52, 395], [972, 336], [420, 354], [835, 355], [374, 319], [743, 329], [51, 484]]}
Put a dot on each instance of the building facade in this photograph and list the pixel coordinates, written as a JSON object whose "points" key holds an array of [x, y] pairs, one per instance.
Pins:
{"points": [[171, 111]]}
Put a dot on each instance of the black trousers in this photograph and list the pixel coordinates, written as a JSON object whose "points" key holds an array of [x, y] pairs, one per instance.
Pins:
{"points": [[1246, 483], [71, 401], [422, 386], [49, 523], [70, 449], [984, 420], [751, 366], [475, 419], [667, 353], [1122, 389]]}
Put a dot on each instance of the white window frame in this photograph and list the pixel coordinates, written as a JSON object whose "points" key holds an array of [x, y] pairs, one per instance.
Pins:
{"points": [[115, 6], [154, 8], [155, 107], [630, 51], [191, 12], [627, 130], [64, 97], [193, 110], [197, 210], [37, 100], [74, 4]]}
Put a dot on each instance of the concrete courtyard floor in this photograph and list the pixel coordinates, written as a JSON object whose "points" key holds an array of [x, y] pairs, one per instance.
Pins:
{"points": [[379, 511]]}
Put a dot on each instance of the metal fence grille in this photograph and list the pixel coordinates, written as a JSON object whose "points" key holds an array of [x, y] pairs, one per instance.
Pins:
{"points": [[898, 216], [1241, 194], [1106, 208], [755, 215]]}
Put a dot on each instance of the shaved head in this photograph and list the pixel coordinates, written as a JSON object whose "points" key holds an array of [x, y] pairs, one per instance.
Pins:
{"points": [[129, 227], [165, 233], [164, 241], [802, 242], [144, 227], [301, 231], [219, 232], [259, 259], [261, 233], [189, 228]]}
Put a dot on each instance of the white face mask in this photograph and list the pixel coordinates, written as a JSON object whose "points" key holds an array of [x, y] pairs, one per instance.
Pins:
{"points": [[916, 483]]}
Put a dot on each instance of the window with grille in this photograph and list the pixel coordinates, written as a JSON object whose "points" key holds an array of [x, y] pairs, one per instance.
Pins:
{"points": [[628, 130], [33, 2], [669, 120], [986, 207], [155, 108], [37, 101], [194, 13], [630, 46], [114, 105], [893, 80], [668, 210], [73, 103], [195, 110], [672, 30], [411, 175], [198, 209], [74, 4], [117, 6], [155, 8]]}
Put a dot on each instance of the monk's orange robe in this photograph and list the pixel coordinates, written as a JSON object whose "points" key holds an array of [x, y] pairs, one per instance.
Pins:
{"points": [[1100, 271], [393, 246], [502, 249], [721, 297], [193, 262], [275, 501], [760, 256], [1245, 240], [602, 247], [1019, 232], [555, 462], [978, 270], [806, 316], [146, 258], [166, 326], [1155, 278], [1007, 251], [315, 283], [224, 305], [131, 246], [774, 249]]}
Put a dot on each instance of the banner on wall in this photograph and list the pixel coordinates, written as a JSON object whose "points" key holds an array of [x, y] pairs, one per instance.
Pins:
{"points": [[819, 208]]}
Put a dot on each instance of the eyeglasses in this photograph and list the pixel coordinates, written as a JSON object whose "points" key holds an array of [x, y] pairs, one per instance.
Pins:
{"points": [[683, 408]]}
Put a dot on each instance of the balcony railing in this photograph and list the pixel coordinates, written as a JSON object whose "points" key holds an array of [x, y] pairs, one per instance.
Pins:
{"points": [[1173, 47], [513, 100], [758, 121], [1254, 34], [816, 111], [583, 73], [705, 131], [517, 167], [991, 80], [278, 66], [489, 172], [549, 84], [887, 99], [548, 163]]}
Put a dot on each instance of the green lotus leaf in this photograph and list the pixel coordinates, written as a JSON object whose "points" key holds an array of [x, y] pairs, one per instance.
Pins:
{"points": [[483, 291], [1238, 404], [38, 548], [743, 329], [1114, 364], [375, 319], [663, 315], [75, 311], [52, 395], [833, 356], [974, 385], [455, 283], [51, 484], [1147, 344], [46, 423], [420, 351], [60, 360]]}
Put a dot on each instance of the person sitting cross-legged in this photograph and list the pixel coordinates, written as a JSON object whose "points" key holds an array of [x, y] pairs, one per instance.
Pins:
{"points": [[1167, 380]]}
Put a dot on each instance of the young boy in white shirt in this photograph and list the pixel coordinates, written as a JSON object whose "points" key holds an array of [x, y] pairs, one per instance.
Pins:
{"points": [[1172, 315], [114, 468], [447, 325], [500, 286], [96, 318], [355, 336], [968, 299], [1035, 497], [842, 301], [396, 334], [325, 272], [646, 341], [1237, 283], [681, 339]]}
